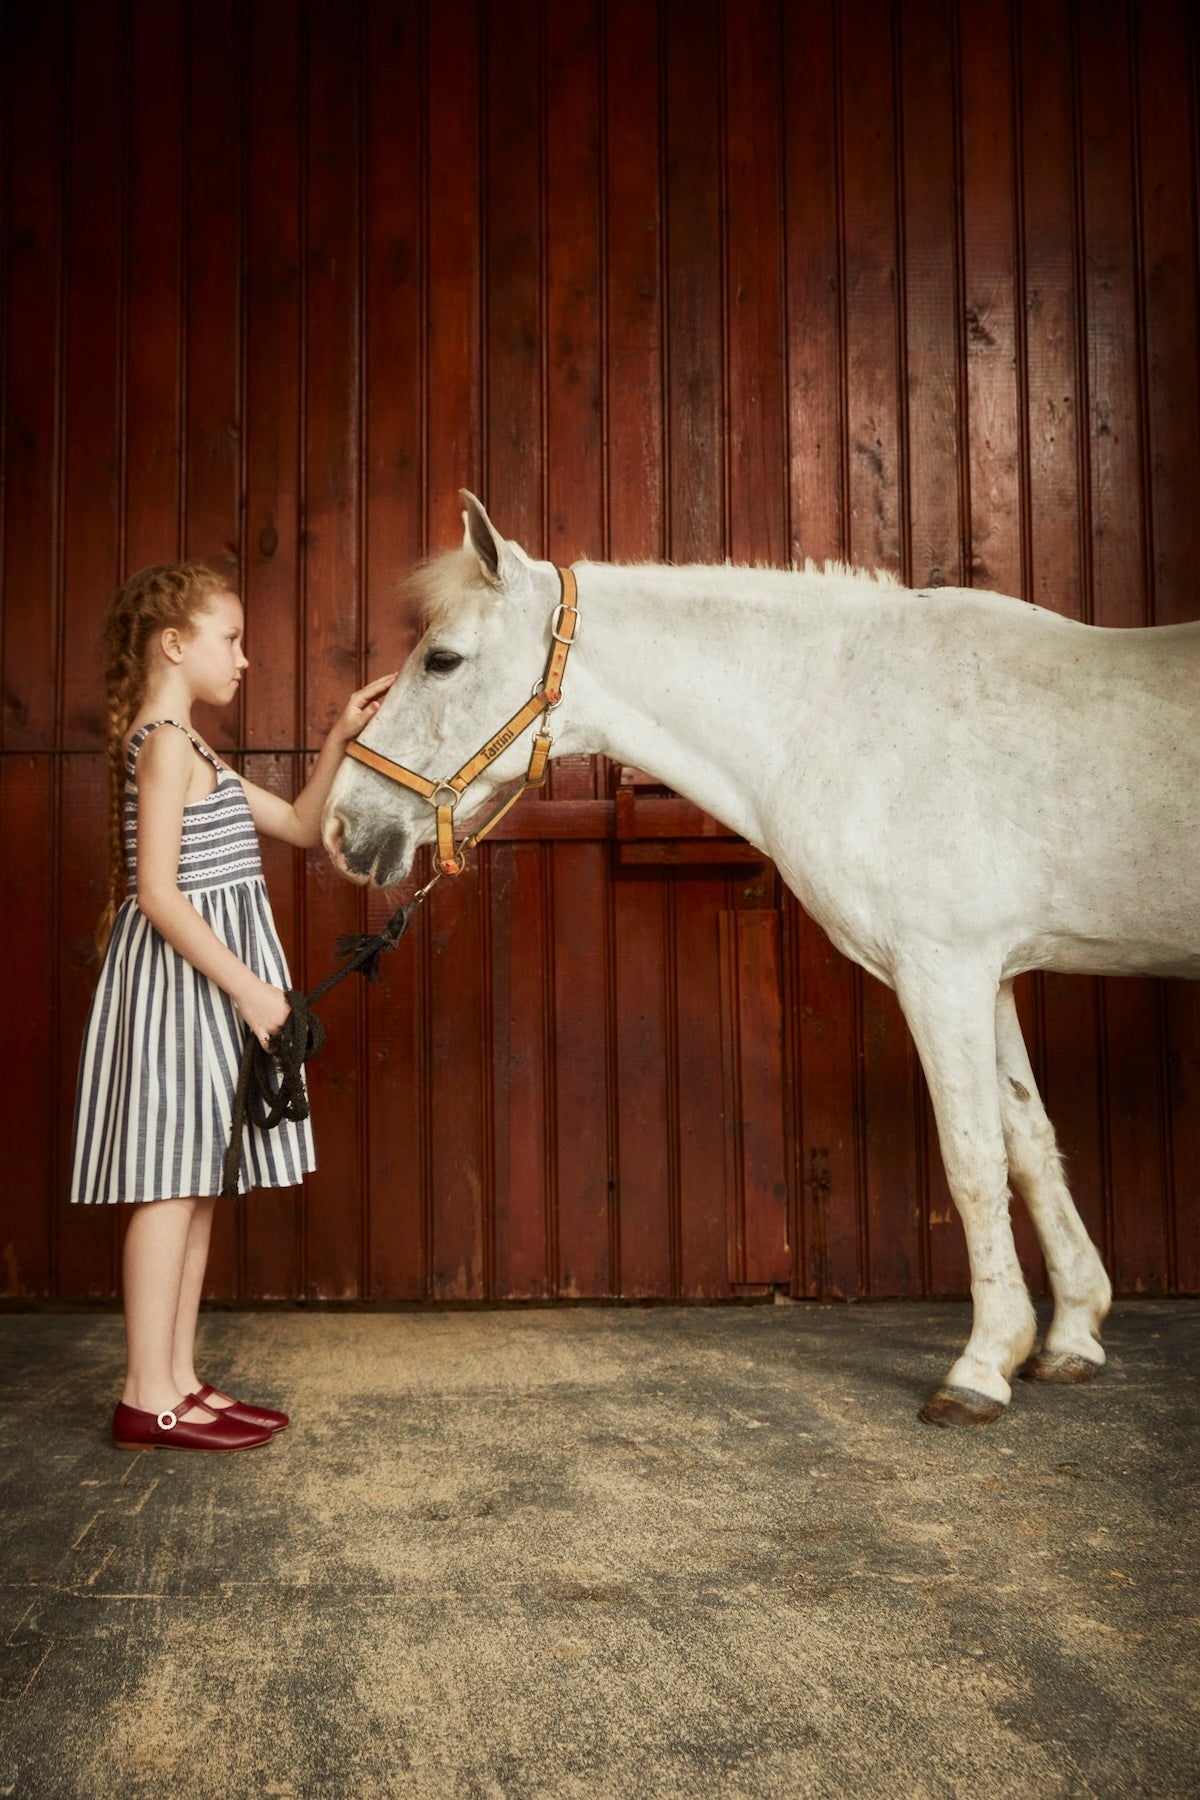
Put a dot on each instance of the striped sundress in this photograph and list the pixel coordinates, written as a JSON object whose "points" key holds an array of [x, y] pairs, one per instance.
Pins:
{"points": [[162, 1042]]}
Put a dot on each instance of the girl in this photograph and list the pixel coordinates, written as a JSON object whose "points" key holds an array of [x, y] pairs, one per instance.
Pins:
{"points": [[191, 963]]}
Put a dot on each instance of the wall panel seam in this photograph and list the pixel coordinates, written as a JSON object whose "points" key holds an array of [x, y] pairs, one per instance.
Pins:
{"points": [[1021, 302], [900, 251]]}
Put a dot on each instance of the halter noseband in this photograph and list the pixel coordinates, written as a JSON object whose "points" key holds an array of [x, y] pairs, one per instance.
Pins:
{"points": [[445, 795]]}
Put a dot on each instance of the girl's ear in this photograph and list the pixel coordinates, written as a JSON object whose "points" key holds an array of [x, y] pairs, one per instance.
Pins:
{"points": [[171, 644]]}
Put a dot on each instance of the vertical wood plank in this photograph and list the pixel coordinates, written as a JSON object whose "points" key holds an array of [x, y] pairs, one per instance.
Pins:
{"points": [[872, 374], [153, 448], [932, 305], [271, 592], [752, 1030], [636, 528], [519, 358], [699, 1108], [573, 399], [635, 525], [394, 177], [523, 1228], [272, 1250], [452, 1075], [876, 528], [27, 916], [513, 175], [92, 412], [583, 1049], [1117, 557], [335, 1223], [832, 1163], [1166, 100], [757, 418], [929, 91], [575, 524], [640, 917], [994, 431], [39, 45], [697, 526], [213, 266], [810, 99], [85, 1237], [459, 1077], [453, 348], [994, 426], [1053, 537], [821, 983]]}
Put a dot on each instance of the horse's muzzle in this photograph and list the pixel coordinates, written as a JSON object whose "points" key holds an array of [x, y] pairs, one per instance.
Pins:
{"points": [[362, 853]]}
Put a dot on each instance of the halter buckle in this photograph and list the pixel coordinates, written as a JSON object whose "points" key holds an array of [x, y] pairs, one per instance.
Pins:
{"points": [[444, 787], [556, 623]]}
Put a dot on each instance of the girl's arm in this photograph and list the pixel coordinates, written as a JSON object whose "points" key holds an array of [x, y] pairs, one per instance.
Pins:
{"points": [[165, 766], [298, 821]]}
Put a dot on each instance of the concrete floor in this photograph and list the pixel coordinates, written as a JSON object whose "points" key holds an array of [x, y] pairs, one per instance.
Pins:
{"points": [[592, 1552]]}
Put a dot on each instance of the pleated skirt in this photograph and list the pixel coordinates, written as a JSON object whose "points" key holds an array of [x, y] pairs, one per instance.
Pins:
{"points": [[159, 1066]]}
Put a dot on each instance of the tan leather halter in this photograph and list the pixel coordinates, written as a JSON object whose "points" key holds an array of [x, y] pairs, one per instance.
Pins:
{"points": [[445, 795]]}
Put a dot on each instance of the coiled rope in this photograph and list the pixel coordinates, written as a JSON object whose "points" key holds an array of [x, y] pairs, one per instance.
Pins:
{"points": [[270, 1085]]}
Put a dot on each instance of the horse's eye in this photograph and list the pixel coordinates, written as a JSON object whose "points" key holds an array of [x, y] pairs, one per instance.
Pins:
{"points": [[441, 662]]}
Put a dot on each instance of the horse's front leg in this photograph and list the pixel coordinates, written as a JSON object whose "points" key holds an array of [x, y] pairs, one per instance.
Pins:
{"points": [[952, 1011]]}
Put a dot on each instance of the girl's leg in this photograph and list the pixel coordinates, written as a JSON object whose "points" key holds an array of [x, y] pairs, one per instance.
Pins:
{"points": [[153, 1268], [195, 1261]]}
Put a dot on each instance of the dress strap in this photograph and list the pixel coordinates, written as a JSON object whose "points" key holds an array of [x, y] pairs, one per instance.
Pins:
{"points": [[139, 737]]}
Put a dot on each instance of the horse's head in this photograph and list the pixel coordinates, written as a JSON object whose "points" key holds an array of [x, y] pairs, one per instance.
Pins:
{"points": [[485, 609]]}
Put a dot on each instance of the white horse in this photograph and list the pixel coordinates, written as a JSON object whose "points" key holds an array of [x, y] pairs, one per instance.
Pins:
{"points": [[957, 786]]}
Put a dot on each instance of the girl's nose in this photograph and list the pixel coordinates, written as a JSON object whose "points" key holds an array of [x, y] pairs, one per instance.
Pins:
{"points": [[243, 661]]}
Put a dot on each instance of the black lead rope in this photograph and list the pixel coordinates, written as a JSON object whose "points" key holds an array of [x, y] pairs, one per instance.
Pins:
{"points": [[270, 1084]]}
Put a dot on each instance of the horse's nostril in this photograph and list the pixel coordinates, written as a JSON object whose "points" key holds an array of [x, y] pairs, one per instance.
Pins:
{"points": [[335, 831]]}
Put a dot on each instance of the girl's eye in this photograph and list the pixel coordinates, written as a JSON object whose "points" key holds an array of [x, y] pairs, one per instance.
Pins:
{"points": [[441, 662]]}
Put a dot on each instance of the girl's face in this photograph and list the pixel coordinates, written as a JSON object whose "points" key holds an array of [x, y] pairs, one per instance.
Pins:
{"points": [[212, 656]]}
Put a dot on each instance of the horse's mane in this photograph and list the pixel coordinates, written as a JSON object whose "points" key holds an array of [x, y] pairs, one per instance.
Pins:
{"points": [[840, 571], [437, 585]]}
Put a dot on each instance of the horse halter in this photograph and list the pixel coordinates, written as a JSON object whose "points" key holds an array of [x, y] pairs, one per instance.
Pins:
{"points": [[445, 795]]}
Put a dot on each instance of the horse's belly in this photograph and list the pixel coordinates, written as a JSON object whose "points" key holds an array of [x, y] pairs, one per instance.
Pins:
{"points": [[1074, 955]]}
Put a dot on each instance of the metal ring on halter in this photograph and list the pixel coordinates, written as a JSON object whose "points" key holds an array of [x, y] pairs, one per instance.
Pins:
{"points": [[444, 787], [539, 687], [556, 623], [453, 868]]}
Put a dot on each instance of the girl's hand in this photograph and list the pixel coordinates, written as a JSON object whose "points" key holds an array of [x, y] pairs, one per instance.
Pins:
{"points": [[264, 1008], [362, 707]]}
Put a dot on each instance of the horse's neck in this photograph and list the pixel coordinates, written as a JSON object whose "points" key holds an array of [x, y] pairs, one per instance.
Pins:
{"points": [[691, 675]]}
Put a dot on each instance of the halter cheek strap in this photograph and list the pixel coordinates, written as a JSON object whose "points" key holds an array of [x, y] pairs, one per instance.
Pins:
{"points": [[445, 795]]}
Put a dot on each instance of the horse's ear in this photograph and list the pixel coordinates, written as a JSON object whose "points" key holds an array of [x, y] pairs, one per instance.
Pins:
{"points": [[481, 536]]}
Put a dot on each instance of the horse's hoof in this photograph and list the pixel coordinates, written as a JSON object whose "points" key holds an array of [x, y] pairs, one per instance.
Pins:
{"points": [[1046, 1366], [960, 1406]]}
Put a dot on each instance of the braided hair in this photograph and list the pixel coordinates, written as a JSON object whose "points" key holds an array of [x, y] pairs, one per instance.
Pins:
{"points": [[149, 602]]}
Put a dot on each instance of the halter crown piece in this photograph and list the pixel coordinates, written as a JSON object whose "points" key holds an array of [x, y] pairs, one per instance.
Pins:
{"points": [[445, 795]]}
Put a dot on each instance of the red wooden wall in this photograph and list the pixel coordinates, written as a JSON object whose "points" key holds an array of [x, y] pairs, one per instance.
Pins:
{"points": [[914, 284]]}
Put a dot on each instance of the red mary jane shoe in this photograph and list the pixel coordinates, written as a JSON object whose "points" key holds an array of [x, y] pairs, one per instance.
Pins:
{"points": [[134, 1430], [241, 1409]]}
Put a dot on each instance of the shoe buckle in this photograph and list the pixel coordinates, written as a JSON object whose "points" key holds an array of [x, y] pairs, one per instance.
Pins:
{"points": [[166, 1421]]}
